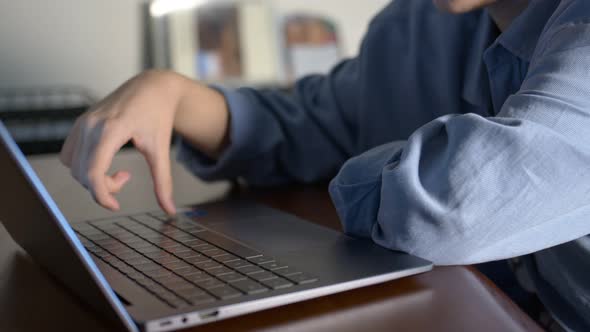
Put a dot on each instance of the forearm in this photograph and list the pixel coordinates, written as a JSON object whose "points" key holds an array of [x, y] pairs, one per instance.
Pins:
{"points": [[466, 189], [276, 137]]}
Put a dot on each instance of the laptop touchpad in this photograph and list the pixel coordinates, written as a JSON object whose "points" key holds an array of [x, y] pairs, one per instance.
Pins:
{"points": [[276, 232]]}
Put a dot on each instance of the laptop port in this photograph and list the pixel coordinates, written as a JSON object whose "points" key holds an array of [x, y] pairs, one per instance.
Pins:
{"points": [[209, 314]]}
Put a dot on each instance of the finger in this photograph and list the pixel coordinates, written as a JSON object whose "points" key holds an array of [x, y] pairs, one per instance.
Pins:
{"points": [[117, 181], [159, 162], [111, 140]]}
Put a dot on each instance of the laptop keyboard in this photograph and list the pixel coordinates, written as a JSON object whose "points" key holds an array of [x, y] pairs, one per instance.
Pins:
{"points": [[182, 263]]}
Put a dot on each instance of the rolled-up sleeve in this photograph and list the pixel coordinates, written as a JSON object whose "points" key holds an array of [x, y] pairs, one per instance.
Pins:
{"points": [[466, 188]]}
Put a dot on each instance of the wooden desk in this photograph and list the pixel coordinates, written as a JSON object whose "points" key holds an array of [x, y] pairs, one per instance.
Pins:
{"points": [[446, 299]]}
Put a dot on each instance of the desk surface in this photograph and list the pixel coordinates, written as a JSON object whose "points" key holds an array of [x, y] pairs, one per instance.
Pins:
{"points": [[445, 299]]}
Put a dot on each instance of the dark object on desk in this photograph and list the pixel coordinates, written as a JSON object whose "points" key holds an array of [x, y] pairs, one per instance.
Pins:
{"points": [[40, 119], [179, 272]]}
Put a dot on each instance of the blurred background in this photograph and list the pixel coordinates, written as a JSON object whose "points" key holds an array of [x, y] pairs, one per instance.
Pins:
{"points": [[58, 57]]}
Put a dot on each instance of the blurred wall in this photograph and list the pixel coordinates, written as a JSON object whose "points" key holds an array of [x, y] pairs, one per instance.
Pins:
{"points": [[90, 43], [97, 44]]}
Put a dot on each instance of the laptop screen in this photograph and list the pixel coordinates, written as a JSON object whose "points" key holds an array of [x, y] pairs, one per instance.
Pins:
{"points": [[35, 222]]}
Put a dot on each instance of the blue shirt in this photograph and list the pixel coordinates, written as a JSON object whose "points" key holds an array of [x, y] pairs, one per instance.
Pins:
{"points": [[450, 141]]}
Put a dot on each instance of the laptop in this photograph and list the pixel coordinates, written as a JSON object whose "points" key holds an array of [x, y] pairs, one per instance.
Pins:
{"points": [[152, 272]]}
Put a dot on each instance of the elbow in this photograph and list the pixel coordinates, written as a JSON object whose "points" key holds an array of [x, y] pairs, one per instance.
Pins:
{"points": [[436, 240]]}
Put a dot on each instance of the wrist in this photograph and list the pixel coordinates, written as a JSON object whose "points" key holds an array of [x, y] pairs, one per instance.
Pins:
{"points": [[202, 117]]}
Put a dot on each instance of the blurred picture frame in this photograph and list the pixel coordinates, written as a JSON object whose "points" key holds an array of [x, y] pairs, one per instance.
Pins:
{"points": [[222, 41]]}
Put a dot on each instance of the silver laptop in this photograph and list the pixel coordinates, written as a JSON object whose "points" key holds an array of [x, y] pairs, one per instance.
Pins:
{"points": [[150, 272]]}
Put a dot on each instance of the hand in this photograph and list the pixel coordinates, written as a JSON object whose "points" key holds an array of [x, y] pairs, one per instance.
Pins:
{"points": [[144, 111]]}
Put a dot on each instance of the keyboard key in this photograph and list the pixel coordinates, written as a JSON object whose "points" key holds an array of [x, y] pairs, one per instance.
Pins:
{"points": [[182, 236], [133, 240], [250, 269], [249, 286], [127, 256], [111, 259], [224, 292], [158, 214], [265, 275], [228, 245], [169, 244], [193, 242], [118, 249], [193, 292], [192, 229], [157, 289], [176, 265], [147, 283], [124, 236], [126, 269], [196, 259], [240, 263], [286, 271], [178, 303], [214, 252], [209, 283], [219, 271], [187, 254], [209, 264], [119, 264], [302, 278], [156, 255], [186, 271], [138, 261], [272, 265], [106, 226], [261, 259], [135, 275], [96, 236], [277, 283], [167, 296], [170, 279], [168, 259], [179, 287], [81, 227], [231, 277], [153, 237], [147, 267], [227, 258], [102, 254], [201, 299], [198, 278], [139, 244], [203, 247], [150, 249], [147, 220], [161, 272], [177, 249], [105, 242]]}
